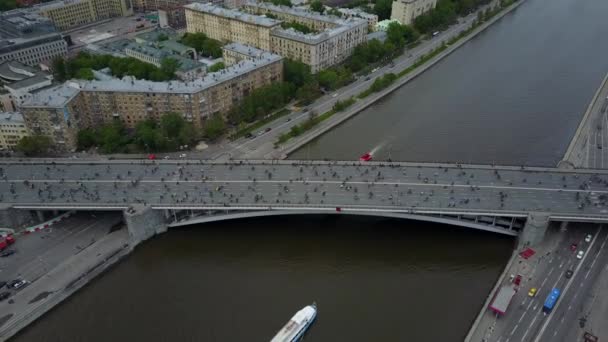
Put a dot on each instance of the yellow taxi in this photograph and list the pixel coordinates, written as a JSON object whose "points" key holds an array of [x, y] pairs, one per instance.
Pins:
{"points": [[532, 292]]}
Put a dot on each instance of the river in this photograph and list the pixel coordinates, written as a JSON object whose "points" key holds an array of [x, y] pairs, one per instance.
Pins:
{"points": [[513, 95], [372, 279]]}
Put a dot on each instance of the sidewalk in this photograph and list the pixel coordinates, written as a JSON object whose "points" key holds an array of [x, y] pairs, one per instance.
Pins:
{"points": [[42, 295]]}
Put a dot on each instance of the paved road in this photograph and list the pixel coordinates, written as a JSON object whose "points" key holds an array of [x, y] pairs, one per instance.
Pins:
{"points": [[396, 187], [39, 252], [563, 323], [546, 270], [589, 147]]}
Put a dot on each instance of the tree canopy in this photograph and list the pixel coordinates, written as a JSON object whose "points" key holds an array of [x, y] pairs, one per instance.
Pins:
{"points": [[202, 44], [317, 6], [34, 145]]}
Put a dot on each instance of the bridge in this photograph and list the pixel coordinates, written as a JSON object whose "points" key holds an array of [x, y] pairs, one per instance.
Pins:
{"points": [[158, 194]]}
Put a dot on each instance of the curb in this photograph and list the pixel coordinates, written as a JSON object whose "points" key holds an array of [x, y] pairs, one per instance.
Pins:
{"points": [[491, 295], [47, 224]]}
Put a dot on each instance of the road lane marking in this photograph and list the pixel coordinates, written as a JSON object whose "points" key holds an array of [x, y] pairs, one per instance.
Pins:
{"points": [[544, 326], [514, 328], [528, 330]]}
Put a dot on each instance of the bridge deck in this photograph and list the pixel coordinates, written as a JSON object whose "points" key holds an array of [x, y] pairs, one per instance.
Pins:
{"points": [[373, 186]]}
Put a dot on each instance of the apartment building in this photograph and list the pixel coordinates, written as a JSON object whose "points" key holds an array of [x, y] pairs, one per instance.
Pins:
{"points": [[12, 129], [235, 52], [61, 111], [230, 25], [405, 11], [372, 19], [29, 38], [332, 41], [67, 14]]}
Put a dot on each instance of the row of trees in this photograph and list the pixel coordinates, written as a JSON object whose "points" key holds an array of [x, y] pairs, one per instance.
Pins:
{"points": [[445, 13], [149, 135], [202, 44], [83, 65]]}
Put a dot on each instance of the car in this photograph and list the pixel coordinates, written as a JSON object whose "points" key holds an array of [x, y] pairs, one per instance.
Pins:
{"points": [[532, 292], [580, 254], [248, 135], [573, 247], [569, 274], [268, 129], [17, 284], [288, 119], [7, 253], [261, 132], [334, 95], [367, 78], [588, 238], [4, 295]]}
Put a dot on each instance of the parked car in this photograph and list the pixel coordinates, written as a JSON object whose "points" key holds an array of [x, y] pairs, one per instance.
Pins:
{"points": [[573, 247], [4, 295], [588, 238], [268, 129], [569, 274], [532, 292], [580, 254], [7, 253], [248, 135]]}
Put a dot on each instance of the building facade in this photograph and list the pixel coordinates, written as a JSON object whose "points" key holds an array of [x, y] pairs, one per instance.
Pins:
{"points": [[61, 111], [29, 38], [405, 11], [67, 14], [333, 39], [372, 19], [229, 25], [12, 129]]}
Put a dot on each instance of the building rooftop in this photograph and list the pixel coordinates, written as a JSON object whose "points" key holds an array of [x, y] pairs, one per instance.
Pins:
{"points": [[56, 97], [55, 4], [13, 71], [316, 38], [152, 36], [357, 12], [244, 49], [234, 14], [186, 64], [28, 82], [24, 22], [11, 117], [295, 11]]}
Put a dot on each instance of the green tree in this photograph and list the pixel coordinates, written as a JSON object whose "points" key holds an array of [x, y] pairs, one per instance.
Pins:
{"points": [[7, 5], [86, 138], [162, 37], [216, 67], [281, 2], [382, 8], [85, 74], [34, 145], [214, 127], [171, 124], [317, 6], [334, 11], [308, 92], [296, 72], [169, 66], [328, 79], [112, 137], [149, 137], [59, 69]]}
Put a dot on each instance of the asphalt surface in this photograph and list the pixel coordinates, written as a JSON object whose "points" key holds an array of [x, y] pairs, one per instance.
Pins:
{"points": [[524, 319], [395, 187], [39, 252], [589, 146]]}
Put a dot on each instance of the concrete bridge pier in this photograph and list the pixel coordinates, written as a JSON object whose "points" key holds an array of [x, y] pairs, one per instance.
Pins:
{"points": [[13, 218], [534, 230], [143, 223]]}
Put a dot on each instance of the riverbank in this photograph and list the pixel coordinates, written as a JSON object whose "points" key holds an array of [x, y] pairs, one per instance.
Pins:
{"points": [[340, 117], [58, 284], [581, 152]]}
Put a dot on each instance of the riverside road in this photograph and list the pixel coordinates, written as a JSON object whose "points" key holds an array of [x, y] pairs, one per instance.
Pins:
{"points": [[287, 184]]}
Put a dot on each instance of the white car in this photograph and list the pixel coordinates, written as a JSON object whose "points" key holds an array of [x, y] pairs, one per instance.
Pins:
{"points": [[580, 254], [588, 238]]}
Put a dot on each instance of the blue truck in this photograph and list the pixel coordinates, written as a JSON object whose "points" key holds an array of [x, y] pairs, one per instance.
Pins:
{"points": [[551, 300]]}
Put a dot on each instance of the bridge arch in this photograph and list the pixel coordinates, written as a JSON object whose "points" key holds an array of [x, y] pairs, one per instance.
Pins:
{"points": [[267, 213]]}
